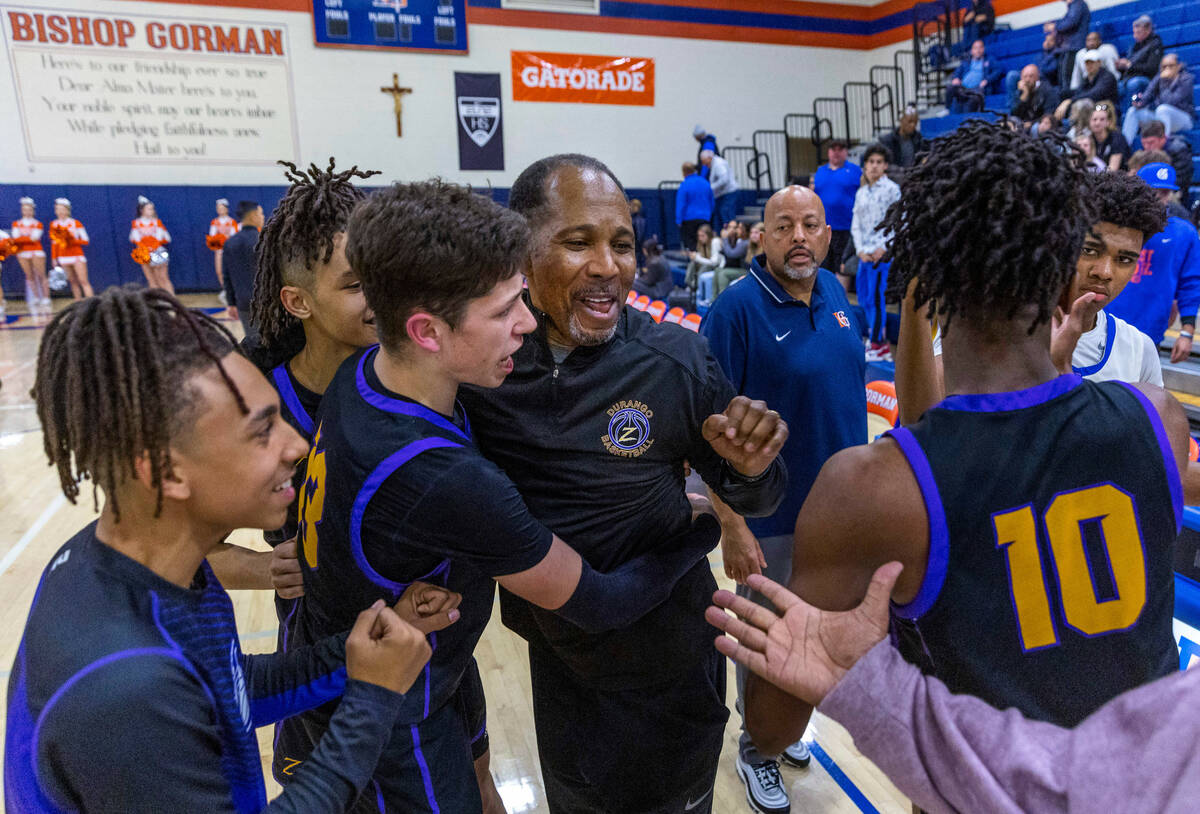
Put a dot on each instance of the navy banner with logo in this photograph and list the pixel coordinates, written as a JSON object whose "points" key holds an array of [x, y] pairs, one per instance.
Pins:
{"points": [[480, 126]]}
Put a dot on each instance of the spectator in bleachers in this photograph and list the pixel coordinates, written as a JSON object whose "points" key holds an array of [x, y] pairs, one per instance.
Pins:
{"points": [[1143, 157], [1168, 272], [703, 263], [1085, 142], [1178, 150], [751, 247], [979, 21], [1071, 32], [1049, 61], [1081, 118], [1044, 125], [1168, 98], [1140, 65], [655, 279], [972, 81], [734, 244], [639, 228], [707, 142], [905, 141], [1111, 146], [1108, 58], [835, 184], [1098, 85], [1031, 98], [693, 205], [724, 187], [871, 203]]}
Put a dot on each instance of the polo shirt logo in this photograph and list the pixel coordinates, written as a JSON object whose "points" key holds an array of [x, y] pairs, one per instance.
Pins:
{"points": [[628, 429], [842, 319]]}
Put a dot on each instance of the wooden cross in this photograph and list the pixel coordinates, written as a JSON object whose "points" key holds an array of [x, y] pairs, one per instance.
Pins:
{"points": [[397, 98]]}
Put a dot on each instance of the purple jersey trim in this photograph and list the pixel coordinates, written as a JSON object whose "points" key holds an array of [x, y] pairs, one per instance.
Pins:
{"points": [[1013, 400], [411, 408], [429, 795], [939, 534], [283, 383], [369, 488], [1160, 432]]}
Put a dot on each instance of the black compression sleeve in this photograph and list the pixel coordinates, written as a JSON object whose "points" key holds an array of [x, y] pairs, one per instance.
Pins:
{"points": [[622, 596]]}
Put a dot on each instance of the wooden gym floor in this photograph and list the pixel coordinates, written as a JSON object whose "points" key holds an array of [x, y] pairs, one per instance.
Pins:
{"points": [[35, 519]]}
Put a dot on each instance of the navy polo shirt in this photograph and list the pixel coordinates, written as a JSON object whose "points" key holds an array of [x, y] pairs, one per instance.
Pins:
{"points": [[804, 361]]}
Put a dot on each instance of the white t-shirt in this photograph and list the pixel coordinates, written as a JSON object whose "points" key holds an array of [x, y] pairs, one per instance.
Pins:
{"points": [[1113, 350]]}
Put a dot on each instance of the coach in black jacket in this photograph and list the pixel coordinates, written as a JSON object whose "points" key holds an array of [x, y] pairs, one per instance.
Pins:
{"points": [[239, 263], [594, 424]]}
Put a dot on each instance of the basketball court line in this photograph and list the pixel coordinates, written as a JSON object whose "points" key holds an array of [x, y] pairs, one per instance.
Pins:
{"points": [[28, 537], [845, 783]]}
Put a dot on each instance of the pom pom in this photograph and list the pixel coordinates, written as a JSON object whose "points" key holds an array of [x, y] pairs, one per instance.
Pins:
{"points": [[215, 242]]}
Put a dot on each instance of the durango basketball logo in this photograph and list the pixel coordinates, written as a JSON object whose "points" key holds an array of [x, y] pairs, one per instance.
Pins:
{"points": [[628, 429]]}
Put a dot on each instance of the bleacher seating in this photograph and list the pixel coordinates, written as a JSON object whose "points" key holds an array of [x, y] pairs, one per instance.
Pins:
{"points": [[1176, 21]]}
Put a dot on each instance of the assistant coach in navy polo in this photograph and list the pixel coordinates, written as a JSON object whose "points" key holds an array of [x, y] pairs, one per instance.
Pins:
{"points": [[785, 334]]}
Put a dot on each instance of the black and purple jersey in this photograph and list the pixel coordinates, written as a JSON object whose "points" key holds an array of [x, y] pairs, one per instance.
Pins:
{"points": [[1053, 514], [130, 693]]}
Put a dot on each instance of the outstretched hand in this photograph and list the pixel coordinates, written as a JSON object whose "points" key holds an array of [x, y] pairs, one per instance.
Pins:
{"points": [[806, 651], [1066, 329], [747, 435]]}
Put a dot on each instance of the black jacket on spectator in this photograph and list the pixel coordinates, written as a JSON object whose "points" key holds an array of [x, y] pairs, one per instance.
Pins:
{"points": [[892, 142], [655, 282], [1114, 144], [1043, 100], [1144, 57], [1102, 88], [237, 261], [1181, 159]]}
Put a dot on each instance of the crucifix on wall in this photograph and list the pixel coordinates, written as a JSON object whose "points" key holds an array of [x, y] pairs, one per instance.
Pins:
{"points": [[398, 99]]}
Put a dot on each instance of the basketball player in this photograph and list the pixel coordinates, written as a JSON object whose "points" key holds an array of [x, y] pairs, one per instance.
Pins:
{"points": [[395, 489], [1085, 340], [130, 691], [593, 426], [1034, 513]]}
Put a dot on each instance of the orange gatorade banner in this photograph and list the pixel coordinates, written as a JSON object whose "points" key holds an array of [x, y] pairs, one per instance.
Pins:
{"points": [[544, 77]]}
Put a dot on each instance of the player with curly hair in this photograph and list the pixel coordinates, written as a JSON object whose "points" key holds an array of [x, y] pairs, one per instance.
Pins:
{"points": [[1034, 512], [1086, 339]]}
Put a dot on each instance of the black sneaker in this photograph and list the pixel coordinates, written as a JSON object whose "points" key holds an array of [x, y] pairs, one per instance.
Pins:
{"points": [[764, 788]]}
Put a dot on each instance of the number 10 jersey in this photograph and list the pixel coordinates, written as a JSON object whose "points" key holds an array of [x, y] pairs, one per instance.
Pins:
{"points": [[1053, 513]]}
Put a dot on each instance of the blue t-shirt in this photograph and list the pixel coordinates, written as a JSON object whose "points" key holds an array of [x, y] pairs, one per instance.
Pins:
{"points": [[974, 74], [805, 361], [1168, 270], [836, 189]]}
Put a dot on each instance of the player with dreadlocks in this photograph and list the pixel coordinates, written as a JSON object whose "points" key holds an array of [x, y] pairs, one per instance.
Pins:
{"points": [[1085, 339], [1034, 512], [130, 691], [312, 315]]}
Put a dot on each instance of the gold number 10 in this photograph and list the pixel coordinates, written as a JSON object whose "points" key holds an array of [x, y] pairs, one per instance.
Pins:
{"points": [[1016, 534]]}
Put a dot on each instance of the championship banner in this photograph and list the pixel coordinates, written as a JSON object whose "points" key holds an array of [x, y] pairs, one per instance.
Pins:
{"points": [[480, 128], [545, 77]]}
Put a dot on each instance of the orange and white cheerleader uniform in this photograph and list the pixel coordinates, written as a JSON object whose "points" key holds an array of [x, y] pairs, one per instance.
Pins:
{"points": [[27, 232], [75, 237], [146, 228], [224, 225]]}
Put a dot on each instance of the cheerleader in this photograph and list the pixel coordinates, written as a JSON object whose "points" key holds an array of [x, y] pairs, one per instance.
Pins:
{"points": [[221, 229], [149, 237], [8, 248], [67, 239], [27, 232]]}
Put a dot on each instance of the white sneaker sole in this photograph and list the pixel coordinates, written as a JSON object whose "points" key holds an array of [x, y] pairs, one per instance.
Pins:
{"points": [[750, 797]]}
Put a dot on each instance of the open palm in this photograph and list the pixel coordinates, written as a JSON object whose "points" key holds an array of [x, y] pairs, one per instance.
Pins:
{"points": [[806, 651]]}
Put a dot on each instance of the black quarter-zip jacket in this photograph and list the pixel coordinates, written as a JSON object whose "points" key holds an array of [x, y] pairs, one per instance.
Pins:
{"points": [[596, 446]]}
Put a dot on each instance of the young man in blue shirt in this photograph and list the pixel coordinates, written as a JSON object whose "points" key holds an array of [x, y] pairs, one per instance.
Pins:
{"points": [[693, 205], [1168, 271], [785, 335], [836, 183]]}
